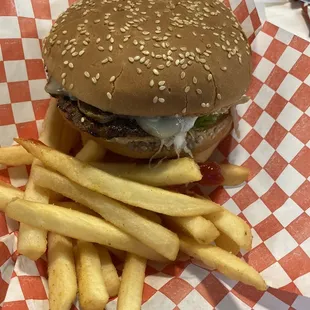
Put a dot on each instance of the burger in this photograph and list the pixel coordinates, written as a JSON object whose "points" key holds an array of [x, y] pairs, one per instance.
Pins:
{"points": [[149, 79]]}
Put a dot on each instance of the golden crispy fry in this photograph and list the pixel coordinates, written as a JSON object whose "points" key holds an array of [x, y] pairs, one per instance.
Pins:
{"points": [[109, 272], [7, 193], [68, 139], [228, 264], [152, 216], [135, 194], [130, 293], [77, 207], [197, 227], [227, 244], [170, 172], [151, 234], [93, 293], [31, 240], [234, 175], [76, 225], [15, 156], [62, 281], [90, 152], [233, 226]]}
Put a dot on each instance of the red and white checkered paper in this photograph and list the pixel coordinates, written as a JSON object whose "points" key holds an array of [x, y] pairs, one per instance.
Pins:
{"points": [[274, 144]]}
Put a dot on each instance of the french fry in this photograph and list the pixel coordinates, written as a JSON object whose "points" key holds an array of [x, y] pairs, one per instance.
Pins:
{"points": [[52, 125], [76, 225], [15, 156], [69, 138], [77, 207], [132, 193], [151, 234], [31, 240], [93, 293], [91, 151], [7, 193], [197, 227], [233, 226], [109, 272], [234, 175], [170, 172], [62, 281], [149, 215], [227, 244], [226, 263], [130, 293]]}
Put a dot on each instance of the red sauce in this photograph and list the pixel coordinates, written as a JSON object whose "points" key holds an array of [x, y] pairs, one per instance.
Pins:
{"points": [[211, 174]]}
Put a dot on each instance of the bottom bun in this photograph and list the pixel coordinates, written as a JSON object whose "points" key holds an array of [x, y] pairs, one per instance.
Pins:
{"points": [[202, 143]]}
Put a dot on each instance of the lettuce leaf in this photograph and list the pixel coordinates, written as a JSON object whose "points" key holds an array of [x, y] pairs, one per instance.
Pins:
{"points": [[207, 120]]}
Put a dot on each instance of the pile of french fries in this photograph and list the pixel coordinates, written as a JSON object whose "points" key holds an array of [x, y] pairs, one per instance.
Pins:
{"points": [[82, 209]]}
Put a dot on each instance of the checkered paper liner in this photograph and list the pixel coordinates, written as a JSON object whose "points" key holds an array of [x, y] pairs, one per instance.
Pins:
{"points": [[274, 144]]}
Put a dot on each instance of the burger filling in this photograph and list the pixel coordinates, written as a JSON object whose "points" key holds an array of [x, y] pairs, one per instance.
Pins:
{"points": [[170, 130]]}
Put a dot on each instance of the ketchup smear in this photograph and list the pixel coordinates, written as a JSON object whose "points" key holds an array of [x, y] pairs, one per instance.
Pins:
{"points": [[211, 174]]}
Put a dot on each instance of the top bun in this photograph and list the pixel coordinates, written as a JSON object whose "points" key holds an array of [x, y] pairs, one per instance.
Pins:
{"points": [[150, 57]]}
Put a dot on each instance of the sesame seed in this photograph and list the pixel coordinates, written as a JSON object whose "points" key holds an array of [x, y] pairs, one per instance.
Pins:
{"points": [[163, 87], [63, 82], [109, 95], [94, 80], [168, 63], [155, 71], [142, 59], [64, 32], [100, 48], [184, 66], [209, 77], [136, 58], [112, 40], [131, 59], [224, 68], [71, 65], [110, 48], [177, 62], [97, 76], [63, 52], [63, 75], [187, 89], [135, 42], [104, 61], [155, 99], [139, 71], [206, 67], [85, 43], [86, 74], [219, 96], [178, 36], [161, 100], [66, 62], [58, 42], [198, 50], [108, 37], [151, 83], [161, 83], [146, 53], [81, 52], [205, 105], [160, 67], [182, 75], [96, 21], [198, 91], [71, 86], [123, 30]]}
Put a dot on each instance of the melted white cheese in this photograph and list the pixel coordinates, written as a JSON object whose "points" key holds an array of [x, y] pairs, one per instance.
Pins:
{"points": [[170, 130]]}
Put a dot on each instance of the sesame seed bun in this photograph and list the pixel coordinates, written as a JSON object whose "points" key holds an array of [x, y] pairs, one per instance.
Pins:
{"points": [[150, 58]]}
